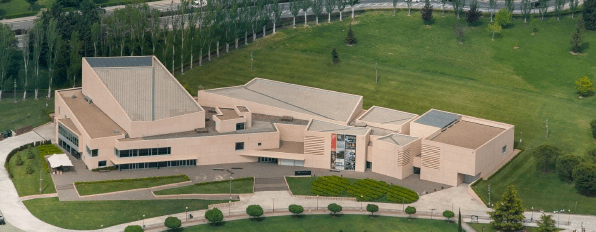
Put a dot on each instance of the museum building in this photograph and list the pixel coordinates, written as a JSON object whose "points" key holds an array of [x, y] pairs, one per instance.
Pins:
{"points": [[132, 113]]}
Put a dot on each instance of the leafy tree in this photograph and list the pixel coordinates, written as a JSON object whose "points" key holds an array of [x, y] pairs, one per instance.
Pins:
{"points": [[329, 6], [134, 228], [334, 208], [19, 160], [458, 6], [492, 6], [503, 17], [31, 3], [410, 210], [26, 52], [509, 5], [494, 28], [443, 2], [473, 14], [296, 209], [592, 153], [214, 215], [427, 12], [351, 37], [96, 32], [584, 178], [577, 37], [559, 4], [543, 7], [459, 31], [448, 214], [341, 5], [305, 4], [589, 14], [372, 208], [546, 223], [277, 10], [573, 4], [317, 9], [254, 211], [295, 9], [526, 9], [334, 56], [7, 47], [353, 3], [459, 226], [38, 39], [565, 166], [508, 214], [75, 57], [395, 6], [172, 223], [29, 169], [546, 155], [52, 38], [409, 4]]}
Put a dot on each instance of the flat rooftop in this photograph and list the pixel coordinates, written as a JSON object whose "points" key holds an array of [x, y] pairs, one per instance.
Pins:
{"points": [[302, 99], [322, 126], [468, 134], [95, 122], [289, 147], [386, 116], [437, 118], [227, 114]]}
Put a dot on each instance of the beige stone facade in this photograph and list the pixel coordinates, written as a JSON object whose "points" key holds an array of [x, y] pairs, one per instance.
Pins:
{"points": [[157, 124]]}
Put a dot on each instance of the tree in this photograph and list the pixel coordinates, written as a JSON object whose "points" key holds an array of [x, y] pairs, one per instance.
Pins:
{"points": [[565, 166], [351, 37], [277, 9], [592, 153], [334, 208], [459, 31], [395, 6], [593, 125], [329, 6], [154, 27], [304, 6], [352, 4], [410, 210], [509, 5], [29, 169], [589, 14], [458, 6], [503, 17], [30, 154], [26, 51], [459, 226], [75, 58], [96, 35], [172, 223], [526, 9], [546, 223], [573, 4], [508, 213], [543, 7], [492, 6], [19, 160], [584, 178], [427, 12], [409, 4], [38, 39], [254, 211], [52, 37], [546, 155], [559, 4], [335, 56], [577, 37], [448, 214], [7, 46], [341, 5], [295, 9], [31, 3], [134, 228], [214, 216], [372, 208], [296, 209], [494, 28], [533, 23], [317, 9], [473, 14]]}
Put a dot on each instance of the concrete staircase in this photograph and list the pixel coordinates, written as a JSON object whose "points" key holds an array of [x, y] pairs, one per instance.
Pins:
{"points": [[270, 184]]}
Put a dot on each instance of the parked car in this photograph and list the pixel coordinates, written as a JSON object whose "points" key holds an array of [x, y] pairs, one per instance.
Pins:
{"points": [[535, 4], [2, 222]]}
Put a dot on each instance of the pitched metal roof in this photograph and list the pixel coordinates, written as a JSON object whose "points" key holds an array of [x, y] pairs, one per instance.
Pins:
{"points": [[322, 126], [134, 61], [437, 118], [386, 116], [398, 139], [302, 99]]}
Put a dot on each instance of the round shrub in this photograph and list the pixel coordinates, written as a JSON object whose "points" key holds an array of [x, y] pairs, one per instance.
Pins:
{"points": [[372, 208], [448, 214], [135, 228], [296, 209], [29, 169], [19, 160], [410, 210], [214, 215], [254, 211], [334, 208], [172, 223]]}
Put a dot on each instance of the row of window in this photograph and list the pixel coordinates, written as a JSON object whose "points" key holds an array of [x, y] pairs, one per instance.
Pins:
{"points": [[163, 164], [68, 135], [142, 152], [92, 153]]}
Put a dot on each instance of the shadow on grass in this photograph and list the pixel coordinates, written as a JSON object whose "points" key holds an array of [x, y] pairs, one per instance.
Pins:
{"points": [[259, 219], [584, 47]]}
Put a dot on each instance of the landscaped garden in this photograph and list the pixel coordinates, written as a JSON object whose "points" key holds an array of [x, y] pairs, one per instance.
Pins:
{"points": [[422, 67], [91, 215], [108, 186], [24, 113], [361, 189], [239, 186], [25, 166]]}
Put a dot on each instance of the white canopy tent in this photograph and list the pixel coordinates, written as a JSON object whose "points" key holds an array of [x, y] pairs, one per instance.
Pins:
{"points": [[59, 160]]}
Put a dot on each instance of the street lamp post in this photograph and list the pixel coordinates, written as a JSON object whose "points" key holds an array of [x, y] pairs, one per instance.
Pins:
{"points": [[15, 91], [431, 213], [40, 180], [274, 204], [143, 221], [317, 202], [568, 217], [532, 218], [489, 194], [403, 201], [186, 214], [361, 198]]}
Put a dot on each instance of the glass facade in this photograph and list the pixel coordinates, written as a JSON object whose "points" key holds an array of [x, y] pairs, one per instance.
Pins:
{"points": [[163, 164], [68, 135], [142, 152]]}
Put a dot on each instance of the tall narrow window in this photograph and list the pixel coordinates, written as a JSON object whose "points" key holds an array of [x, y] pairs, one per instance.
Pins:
{"points": [[504, 149]]}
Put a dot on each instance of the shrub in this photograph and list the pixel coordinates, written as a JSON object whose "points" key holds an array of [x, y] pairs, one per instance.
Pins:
{"points": [[585, 88], [593, 125], [589, 14], [172, 223], [334, 208], [104, 168], [565, 166], [214, 215], [592, 156], [329, 186], [448, 214], [503, 17], [584, 178], [30, 154], [400, 194], [368, 189], [577, 36], [372, 208], [473, 14], [19, 161], [296, 209], [351, 37], [410, 210], [335, 56], [254, 211], [426, 13], [546, 155], [29, 169], [546, 223], [134, 228]]}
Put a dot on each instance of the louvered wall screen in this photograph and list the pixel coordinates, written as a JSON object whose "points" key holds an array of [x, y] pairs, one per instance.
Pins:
{"points": [[314, 145], [431, 157]]}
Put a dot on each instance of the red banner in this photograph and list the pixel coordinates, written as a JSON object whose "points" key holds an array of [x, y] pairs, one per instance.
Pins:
{"points": [[333, 142]]}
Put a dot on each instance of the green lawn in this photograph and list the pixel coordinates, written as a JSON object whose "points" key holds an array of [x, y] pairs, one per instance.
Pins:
{"points": [[488, 228], [238, 187], [10, 8], [90, 215], [97, 187], [425, 67], [301, 186], [24, 113], [28, 184]]}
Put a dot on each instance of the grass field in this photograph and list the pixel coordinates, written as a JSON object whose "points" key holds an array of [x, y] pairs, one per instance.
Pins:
{"points": [[24, 113], [28, 184], [10, 8], [425, 67], [90, 215], [488, 228], [238, 187], [97, 187], [316, 223], [301, 185]]}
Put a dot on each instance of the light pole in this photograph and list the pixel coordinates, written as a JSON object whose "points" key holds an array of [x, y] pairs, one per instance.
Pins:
{"points": [[40, 179], [317, 202], [361, 198], [231, 173], [532, 218], [15, 91], [489, 194], [568, 217], [431, 213], [403, 200], [274, 204], [452, 206], [186, 214], [143, 221]]}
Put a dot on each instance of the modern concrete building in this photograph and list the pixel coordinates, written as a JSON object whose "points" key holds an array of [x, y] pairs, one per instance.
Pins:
{"points": [[131, 113]]}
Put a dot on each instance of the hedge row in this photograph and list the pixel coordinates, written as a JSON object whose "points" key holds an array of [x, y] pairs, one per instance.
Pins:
{"points": [[329, 186], [131, 180], [400, 194], [220, 181], [368, 189], [17, 150]]}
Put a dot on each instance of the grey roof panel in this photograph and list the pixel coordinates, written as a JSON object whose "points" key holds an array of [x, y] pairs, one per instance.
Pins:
{"points": [[438, 119], [399, 139], [386, 116], [322, 126], [97, 62]]}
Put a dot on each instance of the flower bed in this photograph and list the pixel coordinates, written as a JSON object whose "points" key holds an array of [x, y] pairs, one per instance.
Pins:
{"points": [[329, 186], [400, 194]]}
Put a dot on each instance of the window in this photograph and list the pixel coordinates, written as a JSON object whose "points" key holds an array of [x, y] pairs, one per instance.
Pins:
{"points": [[102, 163], [92, 153], [67, 134], [504, 149], [239, 146], [259, 144], [240, 126], [142, 152]]}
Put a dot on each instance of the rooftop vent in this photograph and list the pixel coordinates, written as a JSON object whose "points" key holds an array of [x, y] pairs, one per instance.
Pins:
{"points": [[360, 124], [287, 118], [73, 96], [116, 131], [88, 99]]}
